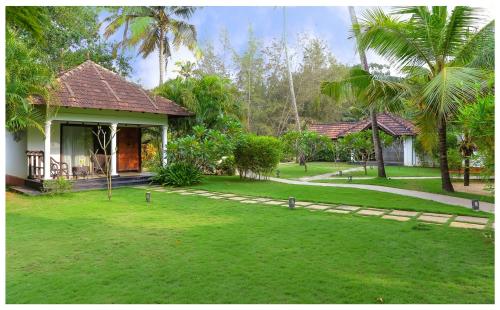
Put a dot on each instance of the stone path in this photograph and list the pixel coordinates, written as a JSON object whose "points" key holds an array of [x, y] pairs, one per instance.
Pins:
{"points": [[470, 222], [450, 200], [329, 175]]}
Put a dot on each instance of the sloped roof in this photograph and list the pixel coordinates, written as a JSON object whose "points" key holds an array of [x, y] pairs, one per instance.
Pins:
{"points": [[92, 86], [390, 123]]}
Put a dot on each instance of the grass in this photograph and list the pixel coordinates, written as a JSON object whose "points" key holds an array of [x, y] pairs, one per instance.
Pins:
{"points": [[397, 171], [424, 185], [81, 248], [350, 196], [294, 170]]}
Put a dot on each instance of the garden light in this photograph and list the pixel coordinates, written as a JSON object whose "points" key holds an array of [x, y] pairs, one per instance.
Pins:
{"points": [[475, 204], [291, 202], [148, 197]]}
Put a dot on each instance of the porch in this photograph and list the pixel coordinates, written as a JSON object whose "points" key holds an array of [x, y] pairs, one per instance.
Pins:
{"points": [[79, 151]]}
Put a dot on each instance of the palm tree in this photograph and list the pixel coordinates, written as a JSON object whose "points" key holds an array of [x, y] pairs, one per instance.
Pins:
{"points": [[373, 114], [435, 47], [154, 28]]}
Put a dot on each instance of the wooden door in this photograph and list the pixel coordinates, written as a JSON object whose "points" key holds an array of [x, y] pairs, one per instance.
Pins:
{"points": [[129, 156]]}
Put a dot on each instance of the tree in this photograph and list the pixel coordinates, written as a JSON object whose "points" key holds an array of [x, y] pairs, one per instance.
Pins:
{"points": [[153, 28], [305, 144], [373, 113], [436, 49], [250, 68], [360, 144], [104, 139], [210, 97], [27, 76], [476, 125]]}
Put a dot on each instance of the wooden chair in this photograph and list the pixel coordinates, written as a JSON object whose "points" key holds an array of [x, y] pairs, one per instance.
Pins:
{"points": [[98, 163], [58, 168]]}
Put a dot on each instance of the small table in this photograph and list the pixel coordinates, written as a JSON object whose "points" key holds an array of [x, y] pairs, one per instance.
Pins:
{"points": [[82, 171]]}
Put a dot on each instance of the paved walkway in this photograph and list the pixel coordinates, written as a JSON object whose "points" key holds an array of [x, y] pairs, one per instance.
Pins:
{"points": [[450, 220], [456, 201], [329, 175]]}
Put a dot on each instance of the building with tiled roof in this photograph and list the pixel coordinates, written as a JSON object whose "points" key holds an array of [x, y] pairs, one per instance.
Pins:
{"points": [[87, 97], [402, 151], [391, 124]]}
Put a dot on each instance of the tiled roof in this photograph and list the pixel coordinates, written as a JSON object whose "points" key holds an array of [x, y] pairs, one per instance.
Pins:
{"points": [[90, 85], [390, 123]]}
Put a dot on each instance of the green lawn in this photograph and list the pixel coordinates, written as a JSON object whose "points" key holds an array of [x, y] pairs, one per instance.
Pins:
{"points": [[294, 170], [80, 248], [337, 195], [398, 171], [424, 185]]}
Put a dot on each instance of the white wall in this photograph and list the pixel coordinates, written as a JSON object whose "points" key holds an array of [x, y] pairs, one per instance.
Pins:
{"points": [[410, 156], [15, 155], [110, 116]]}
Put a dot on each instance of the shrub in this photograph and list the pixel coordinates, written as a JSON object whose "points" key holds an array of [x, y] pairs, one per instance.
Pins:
{"points": [[258, 155], [178, 174], [57, 186], [226, 166]]}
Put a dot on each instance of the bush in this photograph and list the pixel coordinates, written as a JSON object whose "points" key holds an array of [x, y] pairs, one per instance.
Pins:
{"points": [[258, 155], [226, 166], [58, 186], [178, 174]]}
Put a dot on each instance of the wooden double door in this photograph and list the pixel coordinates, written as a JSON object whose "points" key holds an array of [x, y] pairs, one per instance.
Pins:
{"points": [[129, 149]]}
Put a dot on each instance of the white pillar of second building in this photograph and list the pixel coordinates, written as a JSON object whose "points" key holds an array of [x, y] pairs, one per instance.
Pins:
{"points": [[164, 141], [46, 151], [113, 148]]}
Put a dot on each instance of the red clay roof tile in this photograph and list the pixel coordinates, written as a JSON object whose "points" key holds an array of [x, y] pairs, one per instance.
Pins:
{"points": [[90, 85]]}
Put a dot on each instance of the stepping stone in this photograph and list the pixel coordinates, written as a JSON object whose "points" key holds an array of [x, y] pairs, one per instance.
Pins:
{"points": [[318, 207], [303, 203], [160, 190], [373, 212], [248, 201], [438, 214], [207, 194], [466, 225], [228, 195], [237, 198], [348, 208], [404, 213], [215, 197], [433, 219], [200, 192], [273, 202], [396, 218], [179, 191], [472, 219], [262, 199], [338, 211], [186, 193]]}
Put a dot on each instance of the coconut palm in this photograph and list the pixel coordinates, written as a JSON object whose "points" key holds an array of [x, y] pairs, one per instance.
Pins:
{"points": [[373, 115], [153, 28], [436, 48]]}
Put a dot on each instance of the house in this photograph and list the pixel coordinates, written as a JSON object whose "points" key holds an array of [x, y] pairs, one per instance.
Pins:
{"points": [[88, 96], [401, 152]]}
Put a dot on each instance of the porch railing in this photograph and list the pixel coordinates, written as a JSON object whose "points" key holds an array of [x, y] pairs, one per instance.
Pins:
{"points": [[35, 164]]}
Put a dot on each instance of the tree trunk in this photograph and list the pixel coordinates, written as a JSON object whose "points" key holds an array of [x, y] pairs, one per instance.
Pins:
{"points": [[466, 171], [290, 78], [443, 158], [364, 166], [373, 114], [162, 58], [379, 157]]}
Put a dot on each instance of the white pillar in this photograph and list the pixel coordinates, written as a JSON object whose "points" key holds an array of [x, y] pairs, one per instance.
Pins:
{"points": [[46, 152], [113, 149], [164, 141]]}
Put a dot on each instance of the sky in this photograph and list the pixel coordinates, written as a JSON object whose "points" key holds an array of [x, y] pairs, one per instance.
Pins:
{"points": [[332, 24]]}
